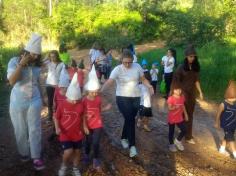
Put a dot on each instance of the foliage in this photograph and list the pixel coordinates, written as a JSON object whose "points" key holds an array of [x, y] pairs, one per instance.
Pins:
{"points": [[218, 64]]}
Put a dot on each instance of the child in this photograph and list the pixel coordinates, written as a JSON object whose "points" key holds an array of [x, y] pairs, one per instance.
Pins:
{"points": [[226, 117], [68, 124], [74, 69], [59, 96], [145, 110], [93, 109], [144, 66], [64, 55], [175, 116], [154, 74]]}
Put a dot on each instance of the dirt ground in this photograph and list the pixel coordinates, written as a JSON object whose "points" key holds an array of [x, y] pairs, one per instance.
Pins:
{"points": [[154, 159]]}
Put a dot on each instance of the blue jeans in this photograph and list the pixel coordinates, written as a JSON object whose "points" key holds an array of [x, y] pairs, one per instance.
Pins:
{"points": [[128, 106]]}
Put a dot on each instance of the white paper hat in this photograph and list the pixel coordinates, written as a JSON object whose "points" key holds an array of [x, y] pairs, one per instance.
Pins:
{"points": [[34, 44], [64, 80], [73, 92], [93, 82]]}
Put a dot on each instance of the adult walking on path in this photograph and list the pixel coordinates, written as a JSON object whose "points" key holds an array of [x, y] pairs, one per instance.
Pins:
{"points": [[168, 62], [127, 76], [26, 102], [187, 75]]}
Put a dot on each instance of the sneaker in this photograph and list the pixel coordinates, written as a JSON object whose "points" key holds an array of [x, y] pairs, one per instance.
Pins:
{"points": [[38, 164], [124, 143], [191, 141], [234, 155], [172, 148], [132, 151], [224, 152], [97, 164], [179, 144], [76, 171], [62, 171], [24, 159], [146, 128]]}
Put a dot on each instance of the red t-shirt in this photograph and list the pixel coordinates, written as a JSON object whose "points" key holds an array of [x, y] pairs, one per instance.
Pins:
{"points": [[69, 117], [176, 115], [58, 98], [93, 112], [72, 71]]}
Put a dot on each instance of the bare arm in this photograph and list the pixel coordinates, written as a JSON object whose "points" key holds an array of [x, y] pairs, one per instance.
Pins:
{"points": [[146, 83], [171, 107], [108, 83], [185, 114], [15, 76], [198, 86], [219, 111], [85, 126]]}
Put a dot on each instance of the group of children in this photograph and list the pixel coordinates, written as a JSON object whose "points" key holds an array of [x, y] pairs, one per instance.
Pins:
{"points": [[78, 119]]}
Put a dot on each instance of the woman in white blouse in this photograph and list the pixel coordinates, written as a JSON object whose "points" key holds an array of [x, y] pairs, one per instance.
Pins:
{"points": [[127, 76]]}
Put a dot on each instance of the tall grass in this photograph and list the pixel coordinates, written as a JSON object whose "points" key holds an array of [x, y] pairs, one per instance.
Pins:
{"points": [[218, 66]]}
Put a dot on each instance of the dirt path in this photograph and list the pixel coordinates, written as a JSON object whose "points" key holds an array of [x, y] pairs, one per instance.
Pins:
{"points": [[154, 157]]}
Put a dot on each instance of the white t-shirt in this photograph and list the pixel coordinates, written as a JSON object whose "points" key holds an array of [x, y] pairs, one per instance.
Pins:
{"points": [[145, 98], [135, 59], [169, 68], [54, 71], [127, 80], [94, 54], [154, 74]]}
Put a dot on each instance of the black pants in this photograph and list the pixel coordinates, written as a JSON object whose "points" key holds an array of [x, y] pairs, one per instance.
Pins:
{"points": [[128, 106], [168, 80], [50, 93], [93, 139], [182, 133], [154, 85]]}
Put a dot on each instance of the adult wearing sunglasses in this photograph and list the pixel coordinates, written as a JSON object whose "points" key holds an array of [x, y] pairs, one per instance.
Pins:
{"points": [[127, 76]]}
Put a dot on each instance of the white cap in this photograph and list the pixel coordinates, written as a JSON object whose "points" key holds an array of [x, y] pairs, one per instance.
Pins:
{"points": [[34, 44], [64, 80], [73, 92], [93, 82]]}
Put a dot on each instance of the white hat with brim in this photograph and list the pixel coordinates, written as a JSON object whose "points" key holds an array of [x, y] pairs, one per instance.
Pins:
{"points": [[93, 82], [64, 80], [73, 92], [34, 44]]}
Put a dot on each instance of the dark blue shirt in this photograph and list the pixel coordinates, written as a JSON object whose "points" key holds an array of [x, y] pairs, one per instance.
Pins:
{"points": [[228, 117]]}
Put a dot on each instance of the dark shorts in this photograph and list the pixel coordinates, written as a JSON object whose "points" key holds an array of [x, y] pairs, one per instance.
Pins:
{"points": [[71, 145], [145, 112], [229, 135]]}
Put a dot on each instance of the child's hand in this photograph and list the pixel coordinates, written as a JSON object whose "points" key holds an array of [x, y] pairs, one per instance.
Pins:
{"points": [[86, 130], [107, 107], [217, 125], [58, 130], [186, 118]]}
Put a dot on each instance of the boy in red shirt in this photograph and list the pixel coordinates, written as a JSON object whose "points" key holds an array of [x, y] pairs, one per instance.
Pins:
{"points": [[93, 108], [175, 116], [59, 96], [68, 124]]}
